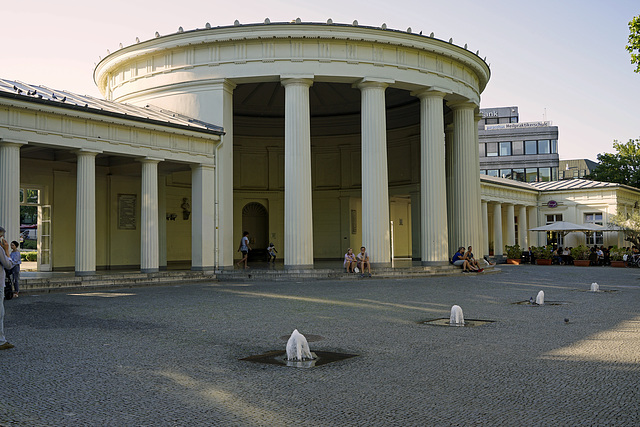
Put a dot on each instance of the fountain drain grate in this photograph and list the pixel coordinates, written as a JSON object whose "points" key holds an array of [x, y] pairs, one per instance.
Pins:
{"points": [[445, 321], [278, 357], [529, 303]]}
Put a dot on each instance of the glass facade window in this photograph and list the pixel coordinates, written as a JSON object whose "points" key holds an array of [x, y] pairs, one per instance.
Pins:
{"points": [[518, 174], [492, 172], [544, 174], [531, 174], [554, 146], [492, 149], [544, 146], [561, 174], [491, 121], [504, 120], [482, 150], [531, 147], [517, 148], [514, 120], [554, 174], [505, 148], [483, 172], [505, 173]]}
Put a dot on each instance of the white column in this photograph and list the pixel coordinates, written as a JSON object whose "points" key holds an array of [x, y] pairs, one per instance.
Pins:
{"points": [[433, 191], [522, 227], [202, 217], [533, 223], [162, 221], [485, 227], [375, 181], [498, 248], [298, 224], [466, 189], [86, 213], [149, 235], [511, 226], [480, 252], [10, 189], [448, 148]]}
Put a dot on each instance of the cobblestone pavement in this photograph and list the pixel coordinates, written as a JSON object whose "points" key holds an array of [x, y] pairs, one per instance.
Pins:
{"points": [[169, 356]]}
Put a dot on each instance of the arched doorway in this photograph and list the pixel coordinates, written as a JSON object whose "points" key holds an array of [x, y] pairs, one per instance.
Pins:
{"points": [[255, 220]]}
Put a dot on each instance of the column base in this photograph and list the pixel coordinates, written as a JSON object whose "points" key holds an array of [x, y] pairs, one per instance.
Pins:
{"points": [[205, 268], [434, 263], [381, 265], [85, 273], [299, 267], [149, 270]]}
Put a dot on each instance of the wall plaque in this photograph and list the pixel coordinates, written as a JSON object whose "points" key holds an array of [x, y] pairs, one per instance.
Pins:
{"points": [[127, 211]]}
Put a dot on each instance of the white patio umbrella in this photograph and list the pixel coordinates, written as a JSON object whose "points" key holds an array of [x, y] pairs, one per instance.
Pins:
{"points": [[565, 227]]}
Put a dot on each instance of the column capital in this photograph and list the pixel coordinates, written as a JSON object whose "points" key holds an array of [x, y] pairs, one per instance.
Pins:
{"points": [[12, 142], [431, 92], [150, 160], [202, 166], [296, 79], [466, 104], [87, 152], [373, 82]]}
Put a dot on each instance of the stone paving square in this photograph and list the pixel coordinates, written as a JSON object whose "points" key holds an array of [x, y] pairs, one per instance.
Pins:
{"points": [[170, 355]]}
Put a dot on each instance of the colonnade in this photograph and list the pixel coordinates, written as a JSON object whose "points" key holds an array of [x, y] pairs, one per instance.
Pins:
{"points": [[503, 229]]}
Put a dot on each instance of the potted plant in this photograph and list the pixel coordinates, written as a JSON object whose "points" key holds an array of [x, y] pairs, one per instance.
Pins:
{"points": [[616, 255], [543, 254], [514, 253], [580, 255]]}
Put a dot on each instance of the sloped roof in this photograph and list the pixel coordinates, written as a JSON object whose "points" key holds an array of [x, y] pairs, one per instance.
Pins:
{"points": [[572, 184], [509, 182], [69, 100]]}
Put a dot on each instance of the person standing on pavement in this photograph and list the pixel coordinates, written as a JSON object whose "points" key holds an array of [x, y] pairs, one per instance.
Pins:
{"points": [[15, 271], [244, 248], [6, 262]]}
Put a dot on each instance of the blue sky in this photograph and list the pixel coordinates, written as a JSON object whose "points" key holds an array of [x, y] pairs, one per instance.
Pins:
{"points": [[565, 58]]}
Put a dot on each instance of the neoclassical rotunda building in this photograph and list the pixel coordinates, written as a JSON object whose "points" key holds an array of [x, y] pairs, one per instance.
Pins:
{"points": [[335, 136]]}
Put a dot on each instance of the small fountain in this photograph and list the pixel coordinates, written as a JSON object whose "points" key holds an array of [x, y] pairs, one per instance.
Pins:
{"points": [[456, 317], [540, 298], [298, 348], [595, 287]]}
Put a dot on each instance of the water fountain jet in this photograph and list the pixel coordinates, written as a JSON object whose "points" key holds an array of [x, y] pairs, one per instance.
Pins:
{"points": [[595, 287], [540, 298], [298, 348], [456, 318]]}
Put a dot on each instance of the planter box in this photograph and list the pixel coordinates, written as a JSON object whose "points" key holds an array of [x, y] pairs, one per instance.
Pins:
{"points": [[581, 262], [513, 261], [543, 261], [618, 264]]}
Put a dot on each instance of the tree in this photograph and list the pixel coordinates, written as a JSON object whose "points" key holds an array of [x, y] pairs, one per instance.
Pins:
{"points": [[634, 42], [622, 167], [630, 225]]}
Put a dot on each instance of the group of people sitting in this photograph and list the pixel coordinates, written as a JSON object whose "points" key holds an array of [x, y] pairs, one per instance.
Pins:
{"points": [[598, 255], [466, 260], [357, 263]]}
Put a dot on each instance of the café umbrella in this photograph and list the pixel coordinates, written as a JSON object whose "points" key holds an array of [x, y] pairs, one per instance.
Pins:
{"points": [[565, 227]]}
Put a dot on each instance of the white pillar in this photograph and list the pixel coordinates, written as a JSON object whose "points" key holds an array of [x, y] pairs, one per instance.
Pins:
{"points": [[448, 147], [498, 248], [511, 226], [479, 252], [466, 189], [149, 229], [202, 217], [375, 181], [485, 227], [10, 189], [162, 221], [298, 224], [86, 213], [522, 227], [433, 191], [533, 223]]}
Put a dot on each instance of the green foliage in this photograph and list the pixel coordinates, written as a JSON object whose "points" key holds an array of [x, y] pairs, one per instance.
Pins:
{"points": [[513, 252], [630, 225], [623, 167], [542, 252], [616, 253], [580, 252], [29, 244], [634, 42], [29, 256]]}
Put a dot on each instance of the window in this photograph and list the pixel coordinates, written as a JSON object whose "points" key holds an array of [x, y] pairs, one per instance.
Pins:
{"points": [[582, 173], [482, 150], [504, 120], [575, 173], [492, 149], [492, 172], [514, 120], [505, 148], [554, 174], [554, 146], [530, 147], [544, 146], [505, 173], [561, 174], [554, 238], [517, 148], [483, 172], [531, 174], [545, 174], [492, 121], [597, 237], [518, 174]]}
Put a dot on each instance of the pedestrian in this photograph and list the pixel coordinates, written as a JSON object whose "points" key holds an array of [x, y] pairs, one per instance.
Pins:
{"points": [[6, 262], [363, 261], [271, 253], [244, 248], [15, 271]]}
